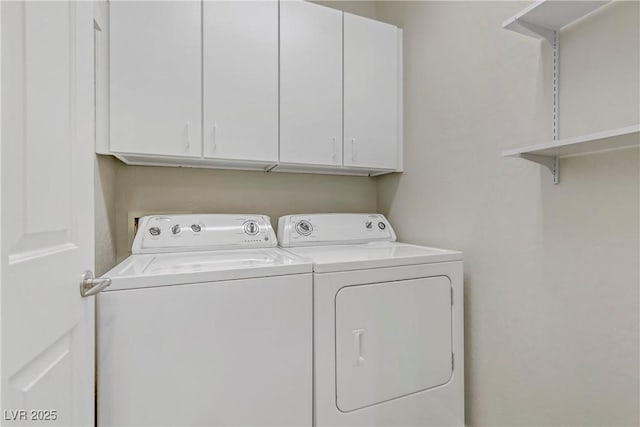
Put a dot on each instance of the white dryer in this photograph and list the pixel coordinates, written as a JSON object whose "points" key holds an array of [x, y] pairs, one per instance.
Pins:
{"points": [[207, 323], [388, 323]]}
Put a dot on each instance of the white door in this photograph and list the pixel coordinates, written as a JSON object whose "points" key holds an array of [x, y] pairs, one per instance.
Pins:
{"points": [[240, 46], [370, 93], [47, 212], [392, 339], [155, 77], [310, 84]]}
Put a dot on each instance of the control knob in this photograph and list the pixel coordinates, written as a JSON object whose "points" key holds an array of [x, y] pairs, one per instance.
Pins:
{"points": [[154, 231], [176, 229], [251, 228], [304, 227]]}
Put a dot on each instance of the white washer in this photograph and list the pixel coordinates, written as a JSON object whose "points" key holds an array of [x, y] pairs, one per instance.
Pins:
{"points": [[207, 323], [388, 323]]}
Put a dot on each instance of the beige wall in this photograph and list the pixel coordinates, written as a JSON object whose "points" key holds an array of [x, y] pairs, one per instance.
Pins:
{"points": [[551, 272], [156, 189], [367, 9], [105, 213]]}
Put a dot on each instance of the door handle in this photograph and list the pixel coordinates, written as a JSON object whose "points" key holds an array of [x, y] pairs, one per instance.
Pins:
{"points": [[335, 152], [357, 334], [214, 138], [188, 144], [353, 149], [90, 285]]}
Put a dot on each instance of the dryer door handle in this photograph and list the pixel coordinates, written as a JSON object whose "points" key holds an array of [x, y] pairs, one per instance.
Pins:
{"points": [[358, 335]]}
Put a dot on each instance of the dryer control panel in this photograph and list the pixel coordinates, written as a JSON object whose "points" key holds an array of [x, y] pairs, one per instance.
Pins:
{"points": [[333, 229], [202, 232]]}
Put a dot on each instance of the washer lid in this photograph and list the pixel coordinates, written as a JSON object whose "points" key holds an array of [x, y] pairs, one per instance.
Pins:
{"points": [[150, 270], [372, 255]]}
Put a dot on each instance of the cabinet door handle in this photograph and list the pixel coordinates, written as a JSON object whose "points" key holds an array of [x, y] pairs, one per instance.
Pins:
{"points": [[357, 335], [353, 149], [214, 134], [335, 152], [188, 144]]}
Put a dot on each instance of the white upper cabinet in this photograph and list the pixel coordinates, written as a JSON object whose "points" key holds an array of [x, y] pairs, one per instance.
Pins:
{"points": [[155, 77], [310, 84], [371, 64], [240, 78], [267, 85]]}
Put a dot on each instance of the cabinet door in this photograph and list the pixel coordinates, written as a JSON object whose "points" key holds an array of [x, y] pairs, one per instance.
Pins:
{"points": [[241, 80], [370, 93], [310, 84], [156, 77]]}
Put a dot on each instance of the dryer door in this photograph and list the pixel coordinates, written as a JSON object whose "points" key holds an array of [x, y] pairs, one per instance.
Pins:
{"points": [[392, 339]]}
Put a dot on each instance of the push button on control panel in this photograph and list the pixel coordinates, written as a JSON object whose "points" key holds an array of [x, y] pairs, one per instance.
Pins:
{"points": [[251, 228]]}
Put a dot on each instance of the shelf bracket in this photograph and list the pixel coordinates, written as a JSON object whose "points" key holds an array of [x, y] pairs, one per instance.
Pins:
{"points": [[543, 32], [551, 163]]}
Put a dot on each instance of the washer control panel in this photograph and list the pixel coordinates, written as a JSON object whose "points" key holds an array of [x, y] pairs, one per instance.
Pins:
{"points": [[202, 232], [333, 229]]}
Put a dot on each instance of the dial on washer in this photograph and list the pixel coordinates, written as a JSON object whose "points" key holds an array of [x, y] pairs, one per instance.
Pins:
{"points": [[251, 228], [304, 227]]}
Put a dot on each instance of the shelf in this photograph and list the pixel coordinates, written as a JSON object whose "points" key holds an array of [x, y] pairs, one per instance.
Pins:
{"points": [[601, 141], [543, 18], [547, 154]]}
